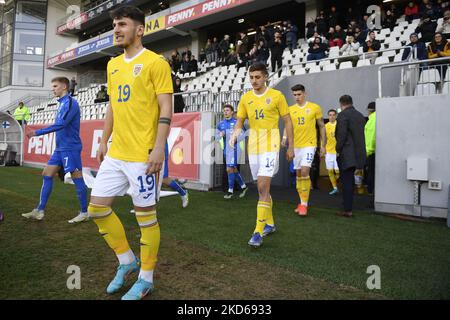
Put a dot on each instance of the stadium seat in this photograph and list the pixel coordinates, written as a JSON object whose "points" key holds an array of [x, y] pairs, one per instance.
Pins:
{"points": [[381, 60], [447, 75], [362, 63], [346, 65], [299, 71], [329, 67], [430, 76], [446, 88], [425, 89], [314, 69], [334, 52]]}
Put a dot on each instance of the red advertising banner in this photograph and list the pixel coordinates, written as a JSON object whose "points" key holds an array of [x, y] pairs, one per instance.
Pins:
{"points": [[200, 10], [184, 144], [73, 24], [61, 58]]}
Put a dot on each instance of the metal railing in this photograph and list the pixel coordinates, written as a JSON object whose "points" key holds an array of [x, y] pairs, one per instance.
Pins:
{"points": [[29, 100], [422, 77], [285, 68], [206, 100]]}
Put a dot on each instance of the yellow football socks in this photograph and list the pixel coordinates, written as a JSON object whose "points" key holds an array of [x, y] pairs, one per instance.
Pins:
{"points": [[332, 178], [150, 239], [263, 211], [303, 189], [110, 228]]}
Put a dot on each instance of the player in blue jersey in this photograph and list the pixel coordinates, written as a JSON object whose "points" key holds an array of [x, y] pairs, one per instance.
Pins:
{"points": [[224, 131], [67, 154]]}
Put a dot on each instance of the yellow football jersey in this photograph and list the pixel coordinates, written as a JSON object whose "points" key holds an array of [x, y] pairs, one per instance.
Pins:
{"points": [[331, 139], [263, 113], [133, 87], [304, 121]]}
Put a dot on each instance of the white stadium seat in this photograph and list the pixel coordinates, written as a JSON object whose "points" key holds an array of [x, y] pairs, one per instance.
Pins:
{"points": [[346, 65], [425, 89], [430, 75]]}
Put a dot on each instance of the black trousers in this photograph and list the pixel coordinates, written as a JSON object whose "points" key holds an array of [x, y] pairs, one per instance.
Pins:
{"points": [[370, 162], [277, 61], [348, 183]]}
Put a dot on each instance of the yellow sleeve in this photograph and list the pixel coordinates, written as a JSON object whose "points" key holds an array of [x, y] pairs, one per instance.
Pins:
{"points": [[161, 76], [108, 83], [283, 107], [242, 110], [319, 113]]}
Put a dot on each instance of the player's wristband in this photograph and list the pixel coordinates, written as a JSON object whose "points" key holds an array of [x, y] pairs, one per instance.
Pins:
{"points": [[167, 121]]}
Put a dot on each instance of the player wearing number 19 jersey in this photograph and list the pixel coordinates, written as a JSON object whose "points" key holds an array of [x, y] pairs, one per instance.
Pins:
{"points": [[305, 115], [263, 108], [138, 118]]}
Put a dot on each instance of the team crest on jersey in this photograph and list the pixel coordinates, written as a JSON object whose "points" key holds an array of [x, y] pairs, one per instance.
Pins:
{"points": [[137, 69], [268, 100], [308, 111]]}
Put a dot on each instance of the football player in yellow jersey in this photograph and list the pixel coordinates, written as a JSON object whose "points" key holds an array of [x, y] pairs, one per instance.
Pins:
{"points": [[305, 115], [330, 157], [138, 119], [263, 107]]}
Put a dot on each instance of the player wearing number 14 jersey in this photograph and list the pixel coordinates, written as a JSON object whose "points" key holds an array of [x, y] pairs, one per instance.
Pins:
{"points": [[263, 107], [138, 119]]}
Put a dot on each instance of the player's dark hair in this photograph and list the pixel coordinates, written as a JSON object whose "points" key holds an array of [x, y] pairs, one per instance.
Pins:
{"points": [[346, 100], [63, 80], [131, 12], [229, 106], [259, 67], [298, 87], [332, 110]]}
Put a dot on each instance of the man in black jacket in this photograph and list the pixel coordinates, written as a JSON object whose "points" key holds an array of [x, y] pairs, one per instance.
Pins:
{"points": [[350, 148], [277, 49], [427, 28]]}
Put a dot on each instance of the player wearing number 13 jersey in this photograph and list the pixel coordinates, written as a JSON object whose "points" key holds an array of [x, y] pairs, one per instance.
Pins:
{"points": [[305, 115], [263, 108], [138, 119]]}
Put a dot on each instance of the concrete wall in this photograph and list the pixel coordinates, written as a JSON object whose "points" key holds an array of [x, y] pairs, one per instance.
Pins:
{"points": [[412, 126], [54, 42]]}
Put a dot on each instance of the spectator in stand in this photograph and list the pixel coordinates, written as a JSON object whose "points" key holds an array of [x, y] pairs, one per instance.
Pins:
{"points": [[310, 28], [439, 48], [352, 25], [389, 20], [431, 11], [175, 60], [186, 65], [349, 51], [242, 46], [317, 35], [185, 53], [340, 33], [365, 23], [350, 16], [445, 28], [317, 50], [73, 85], [202, 55], [370, 46], [263, 53], [178, 99], [333, 39], [321, 24], [193, 63], [395, 11], [427, 28], [224, 47], [360, 36], [215, 47], [277, 49], [253, 52], [333, 17], [411, 12], [209, 51], [423, 7], [291, 36], [232, 57], [102, 95], [419, 46], [441, 7]]}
